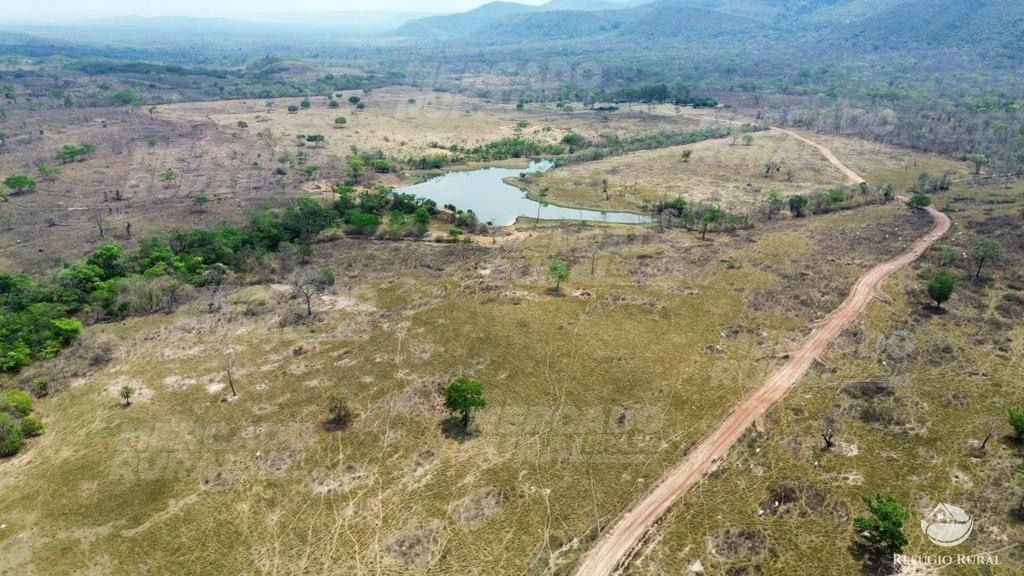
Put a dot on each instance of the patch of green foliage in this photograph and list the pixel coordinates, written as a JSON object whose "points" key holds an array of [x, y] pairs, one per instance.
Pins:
{"points": [[884, 525], [16, 421]]}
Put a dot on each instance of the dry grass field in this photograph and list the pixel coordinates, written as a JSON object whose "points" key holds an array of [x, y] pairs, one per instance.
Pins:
{"points": [[725, 172], [236, 167], [591, 395], [914, 392]]}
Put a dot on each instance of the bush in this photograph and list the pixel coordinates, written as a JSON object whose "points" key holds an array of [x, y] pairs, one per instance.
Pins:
{"points": [[10, 435], [31, 426], [16, 403]]}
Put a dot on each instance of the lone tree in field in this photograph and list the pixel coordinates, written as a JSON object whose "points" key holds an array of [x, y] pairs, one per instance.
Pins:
{"points": [[1016, 418], [464, 396], [797, 204], [830, 428], [305, 104], [941, 287], [316, 139], [978, 160], [711, 216], [919, 201], [991, 425], [126, 394], [340, 121], [339, 413], [309, 283], [884, 526], [685, 157], [559, 271], [20, 184], [985, 251]]}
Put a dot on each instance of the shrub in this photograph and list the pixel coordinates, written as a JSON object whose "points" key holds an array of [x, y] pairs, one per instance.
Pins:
{"points": [[10, 435], [16, 403], [31, 426], [1016, 419]]}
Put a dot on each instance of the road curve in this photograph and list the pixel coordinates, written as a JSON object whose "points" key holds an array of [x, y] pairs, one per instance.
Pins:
{"points": [[614, 548]]}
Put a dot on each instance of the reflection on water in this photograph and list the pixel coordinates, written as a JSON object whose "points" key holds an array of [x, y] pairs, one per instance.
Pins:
{"points": [[485, 193]]}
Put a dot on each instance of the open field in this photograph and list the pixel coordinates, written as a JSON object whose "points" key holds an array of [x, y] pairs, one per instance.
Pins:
{"points": [[239, 169], [913, 392], [592, 394], [725, 172], [606, 385]]}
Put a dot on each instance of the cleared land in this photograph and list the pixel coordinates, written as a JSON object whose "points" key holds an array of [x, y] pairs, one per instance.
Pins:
{"points": [[725, 172], [239, 168], [258, 485], [912, 392]]}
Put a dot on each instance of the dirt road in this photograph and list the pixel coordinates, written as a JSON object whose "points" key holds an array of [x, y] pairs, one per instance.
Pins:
{"points": [[615, 546]]}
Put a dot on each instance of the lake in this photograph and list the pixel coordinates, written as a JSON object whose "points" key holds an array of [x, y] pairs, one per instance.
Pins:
{"points": [[485, 193]]}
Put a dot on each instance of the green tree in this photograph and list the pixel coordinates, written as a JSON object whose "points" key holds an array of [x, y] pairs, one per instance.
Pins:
{"points": [[354, 99], [884, 526], [126, 394], [464, 396], [710, 216], [941, 287], [919, 201], [305, 104], [985, 251], [125, 98], [332, 104], [292, 109], [559, 271], [20, 184], [978, 160], [10, 435], [340, 121], [108, 259], [1016, 418], [316, 139], [797, 205], [356, 167]]}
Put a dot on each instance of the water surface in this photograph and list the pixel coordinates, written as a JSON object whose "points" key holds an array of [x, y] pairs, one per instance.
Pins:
{"points": [[485, 193]]}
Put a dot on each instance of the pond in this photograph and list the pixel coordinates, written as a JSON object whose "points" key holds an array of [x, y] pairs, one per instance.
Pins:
{"points": [[485, 193]]}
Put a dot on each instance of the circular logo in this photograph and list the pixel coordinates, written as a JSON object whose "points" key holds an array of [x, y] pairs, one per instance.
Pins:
{"points": [[947, 525]]}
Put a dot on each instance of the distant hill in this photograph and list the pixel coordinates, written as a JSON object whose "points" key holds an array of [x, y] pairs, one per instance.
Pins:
{"points": [[493, 16], [801, 24], [463, 24]]}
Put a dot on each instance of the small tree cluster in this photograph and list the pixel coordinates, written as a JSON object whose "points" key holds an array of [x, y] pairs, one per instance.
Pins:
{"points": [[16, 421]]}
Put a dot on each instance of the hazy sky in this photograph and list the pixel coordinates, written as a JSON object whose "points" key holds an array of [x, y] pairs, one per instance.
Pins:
{"points": [[74, 9]]}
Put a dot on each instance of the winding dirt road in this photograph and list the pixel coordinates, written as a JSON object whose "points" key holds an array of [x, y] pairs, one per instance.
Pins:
{"points": [[614, 548]]}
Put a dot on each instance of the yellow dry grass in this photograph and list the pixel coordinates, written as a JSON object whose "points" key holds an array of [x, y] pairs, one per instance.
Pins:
{"points": [[725, 172]]}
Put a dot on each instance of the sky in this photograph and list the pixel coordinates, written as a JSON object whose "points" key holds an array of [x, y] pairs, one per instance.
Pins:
{"points": [[63, 10]]}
